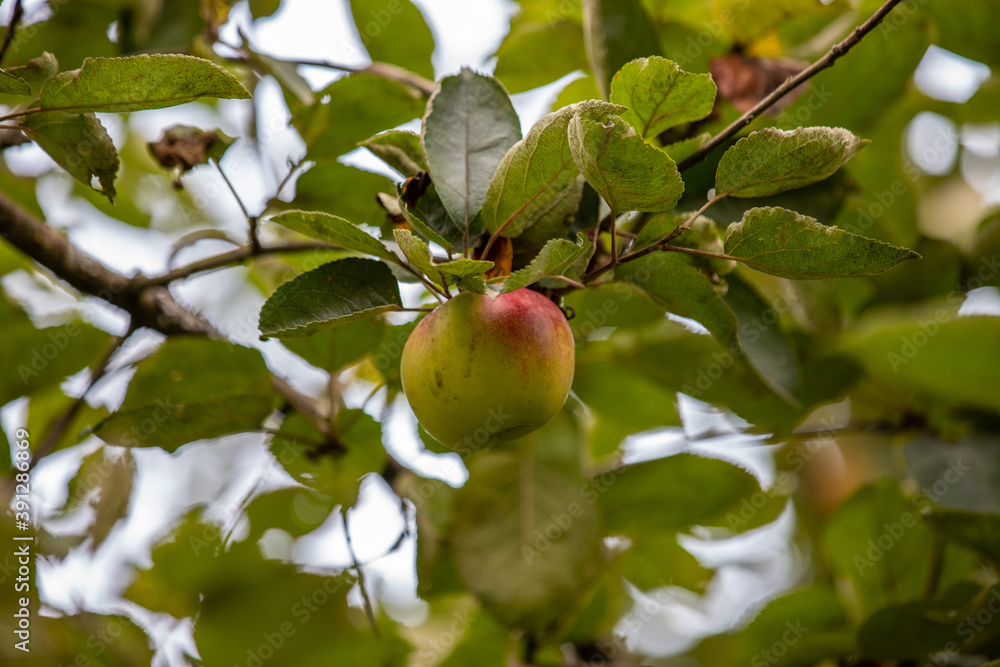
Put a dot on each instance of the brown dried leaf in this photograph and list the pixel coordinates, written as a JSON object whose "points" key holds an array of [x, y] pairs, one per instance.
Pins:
{"points": [[185, 147], [746, 81], [502, 256]]}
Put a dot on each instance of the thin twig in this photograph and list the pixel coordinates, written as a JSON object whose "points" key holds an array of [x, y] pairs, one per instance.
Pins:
{"points": [[659, 245], [252, 220], [831, 56], [569, 281], [63, 421], [437, 294], [384, 70], [233, 257], [292, 168], [15, 18], [369, 610]]}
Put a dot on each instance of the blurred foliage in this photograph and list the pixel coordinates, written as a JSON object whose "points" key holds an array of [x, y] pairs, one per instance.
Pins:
{"points": [[545, 555]]}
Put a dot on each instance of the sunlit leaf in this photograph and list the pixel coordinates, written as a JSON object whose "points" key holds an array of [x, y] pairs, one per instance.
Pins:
{"points": [[555, 259], [630, 174], [469, 125], [335, 293], [141, 82], [770, 161], [333, 230], [78, 143], [659, 95], [536, 182], [683, 290], [421, 257], [786, 244]]}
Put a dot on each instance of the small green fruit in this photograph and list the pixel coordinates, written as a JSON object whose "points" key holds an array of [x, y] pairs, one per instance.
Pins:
{"points": [[481, 370]]}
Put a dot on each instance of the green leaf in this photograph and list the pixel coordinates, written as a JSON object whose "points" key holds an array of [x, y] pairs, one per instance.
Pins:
{"points": [[394, 31], [13, 85], [877, 541], [770, 161], [399, 149], [617, 32], [526, 538], [656, 496], [976, 530], [749, 21], [942, 356], [702, 234], [675, 285], [88, 638], [469, 126], [535, 52], [191, 389], [942, 469], [537, 180], [420, 256], [341, 346], [809, 625], [914, 631], [769, 350], [832, 97], [141, 82], [685, 148], [260, 9], [657, 560], [622, 402], [294, 510], [182, 564], [332, 465], [555, 259], [78, 143], [343, 191], [38, 359], [630, 174], [37, 71], [485, 643], [659, 95], [335, 293], [104, 483], [350, 110], [785, 244], [285, 73], [420, 226], [231, 618], [335, 231]]}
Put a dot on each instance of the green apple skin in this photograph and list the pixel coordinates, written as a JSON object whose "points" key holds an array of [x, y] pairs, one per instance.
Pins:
{"points": [[481, 370]]}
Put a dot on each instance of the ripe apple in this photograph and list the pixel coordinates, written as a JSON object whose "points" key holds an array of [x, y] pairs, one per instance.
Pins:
{"points": [[480, 370]]}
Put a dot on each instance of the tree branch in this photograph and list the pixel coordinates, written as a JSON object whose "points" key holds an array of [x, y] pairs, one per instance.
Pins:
{"points": [[231, 258], [151, 305], [15, 18], [831, 56]]}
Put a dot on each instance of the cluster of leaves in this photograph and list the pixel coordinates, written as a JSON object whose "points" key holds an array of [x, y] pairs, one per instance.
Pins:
{"points": [[589, 206]]}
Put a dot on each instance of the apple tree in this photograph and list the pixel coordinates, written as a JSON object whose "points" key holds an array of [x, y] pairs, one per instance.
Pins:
{"points": [[705, 355]]}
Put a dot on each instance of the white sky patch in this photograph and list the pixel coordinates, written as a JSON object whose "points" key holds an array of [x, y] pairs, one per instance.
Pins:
{"points": [[949, 77]]}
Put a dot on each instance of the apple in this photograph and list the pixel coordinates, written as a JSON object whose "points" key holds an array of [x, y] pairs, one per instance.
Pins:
{"points": [[485, 369]]}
